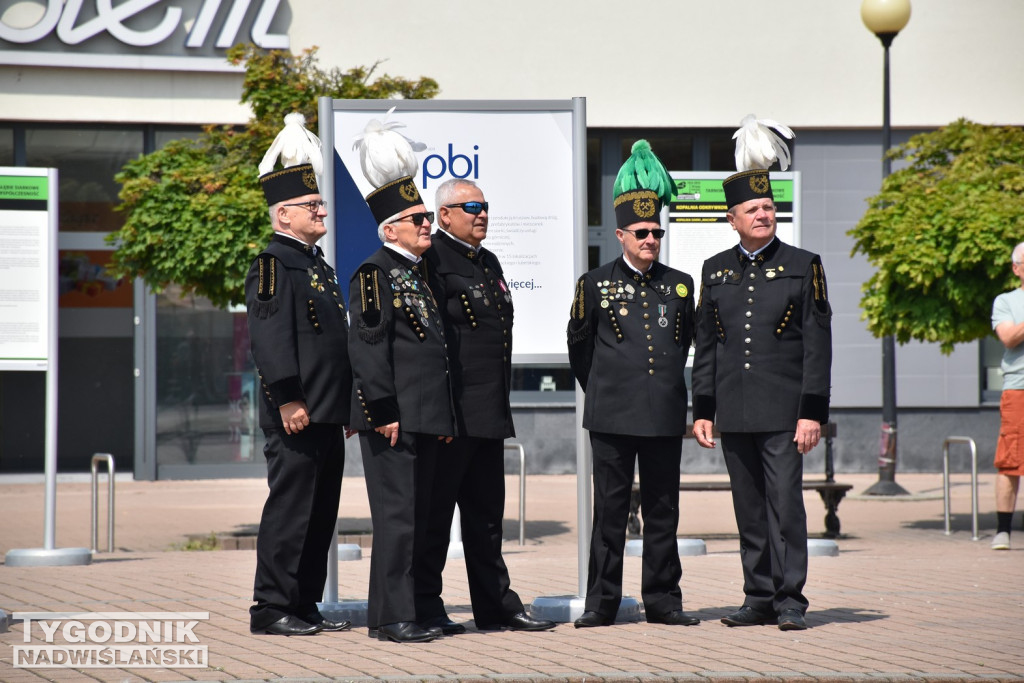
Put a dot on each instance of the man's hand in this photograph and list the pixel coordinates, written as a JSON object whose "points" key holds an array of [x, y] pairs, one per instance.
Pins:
{"points": [[703, 431], [389, 432], [808, 433], [294, 416]]}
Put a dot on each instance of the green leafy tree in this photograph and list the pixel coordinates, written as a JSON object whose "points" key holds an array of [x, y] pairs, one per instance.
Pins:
{"points": [[940, 233], [194, 211]]}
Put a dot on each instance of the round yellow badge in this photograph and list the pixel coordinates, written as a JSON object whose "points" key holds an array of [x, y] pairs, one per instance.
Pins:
{"points": [[681, 289]]}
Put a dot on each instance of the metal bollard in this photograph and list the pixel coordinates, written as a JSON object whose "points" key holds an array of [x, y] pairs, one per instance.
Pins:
{"points": [[96, 459], [974, 481], [522, 488]]}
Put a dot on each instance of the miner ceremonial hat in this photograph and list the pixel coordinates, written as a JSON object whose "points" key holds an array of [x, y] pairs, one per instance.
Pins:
{"points": [[300, 155], [388, 161], [641, 187], [757, 148], [289, 183], [393, 198]]}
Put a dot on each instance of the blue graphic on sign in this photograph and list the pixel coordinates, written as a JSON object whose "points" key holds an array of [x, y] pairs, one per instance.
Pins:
{"points": [[459, 166]]}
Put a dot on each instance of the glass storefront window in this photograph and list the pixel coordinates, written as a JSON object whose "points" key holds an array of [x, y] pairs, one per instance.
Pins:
{"points": [[674, 149], [593, 180], [206, 388], [722, 152], [164, 135], [991, 373], [87, 161], [542, 378], [6, 146]]}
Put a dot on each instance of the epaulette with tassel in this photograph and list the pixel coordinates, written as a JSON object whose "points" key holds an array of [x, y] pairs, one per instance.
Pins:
{"points": [[266, 303]]}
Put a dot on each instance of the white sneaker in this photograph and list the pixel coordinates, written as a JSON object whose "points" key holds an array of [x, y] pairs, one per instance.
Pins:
{"points": [[1001, 541]]}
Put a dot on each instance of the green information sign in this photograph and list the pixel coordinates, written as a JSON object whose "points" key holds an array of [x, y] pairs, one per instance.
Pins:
{"points": [[703, 194], [697, 224], [28, 239], [23, 188]]}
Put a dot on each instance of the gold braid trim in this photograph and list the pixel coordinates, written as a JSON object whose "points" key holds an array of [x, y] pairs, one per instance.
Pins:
{"points": [[820, 291], [363, 288], [633, 195], [578, 304]]}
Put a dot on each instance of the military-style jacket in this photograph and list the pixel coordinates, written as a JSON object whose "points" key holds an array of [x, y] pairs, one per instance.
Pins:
{"points": [[398, 347], [764, 340], [478, 327], [298, 333], [629, 336]]}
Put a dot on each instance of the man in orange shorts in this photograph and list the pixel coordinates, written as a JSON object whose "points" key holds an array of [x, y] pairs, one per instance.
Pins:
{"points": [[1008, 322]]}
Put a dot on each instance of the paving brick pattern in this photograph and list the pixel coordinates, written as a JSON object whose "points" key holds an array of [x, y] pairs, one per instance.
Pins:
{"points": [[902, 601]]}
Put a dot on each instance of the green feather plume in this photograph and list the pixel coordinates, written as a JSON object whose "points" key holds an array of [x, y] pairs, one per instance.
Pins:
{"points": [[644, 171]]}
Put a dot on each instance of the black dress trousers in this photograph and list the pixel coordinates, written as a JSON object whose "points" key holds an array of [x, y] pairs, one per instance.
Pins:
{"points": [[766, 472], [398, 485], [614, 458], [471, 471], [299, 521]]}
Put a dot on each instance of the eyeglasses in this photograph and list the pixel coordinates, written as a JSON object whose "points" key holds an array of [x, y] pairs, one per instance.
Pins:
{"points": [[312, 207], [469, 207], [417, 218], [642, 233]]}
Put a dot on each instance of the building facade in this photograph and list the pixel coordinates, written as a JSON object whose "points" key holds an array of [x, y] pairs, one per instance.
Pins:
{"points": [[164, 382]]}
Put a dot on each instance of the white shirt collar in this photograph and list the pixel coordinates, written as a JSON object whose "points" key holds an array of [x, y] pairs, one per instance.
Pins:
{"points": [[465, 244], [394, 247], [316, 249], [634, 268], [752, 254]]}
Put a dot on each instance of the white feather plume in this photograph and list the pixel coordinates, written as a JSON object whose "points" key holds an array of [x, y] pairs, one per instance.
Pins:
{"points": [[295, 145], [758, 146], [384, 153]]}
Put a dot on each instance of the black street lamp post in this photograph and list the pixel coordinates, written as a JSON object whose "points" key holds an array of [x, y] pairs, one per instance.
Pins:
{"points": [[886, 18]]}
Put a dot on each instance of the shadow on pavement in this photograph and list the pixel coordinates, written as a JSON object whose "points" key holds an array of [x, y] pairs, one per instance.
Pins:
{"points": [[958, 521], [843, 615]]}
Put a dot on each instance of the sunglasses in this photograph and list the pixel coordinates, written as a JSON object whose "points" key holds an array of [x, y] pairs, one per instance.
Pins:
{"points": [[469, 207], [417, 218], [642, 233], [312, 207]]}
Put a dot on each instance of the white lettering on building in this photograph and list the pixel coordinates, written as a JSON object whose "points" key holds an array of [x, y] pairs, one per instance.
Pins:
{"points": [[110, 19]]}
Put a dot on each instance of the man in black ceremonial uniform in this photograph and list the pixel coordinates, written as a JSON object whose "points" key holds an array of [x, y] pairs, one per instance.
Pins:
{"points": [[762, 373], [629, 336], [478, 327], [299, 336], [402, 406]]}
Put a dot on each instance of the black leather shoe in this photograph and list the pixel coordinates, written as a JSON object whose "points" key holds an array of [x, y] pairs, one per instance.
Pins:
{"points": [[747, 616], [404, 632], [792, 620], [674, 618], [288, 626], [524, 622], [433, 630], [444, 624], [590, 619], [327, 624]]}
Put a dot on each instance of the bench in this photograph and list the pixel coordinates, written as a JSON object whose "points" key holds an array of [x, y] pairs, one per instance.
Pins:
{"points": [[831, 492]]}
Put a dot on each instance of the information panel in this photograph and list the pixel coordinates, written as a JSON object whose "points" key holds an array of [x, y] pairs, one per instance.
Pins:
{"points": [[524, 158], [697, 226], [28, 229]]}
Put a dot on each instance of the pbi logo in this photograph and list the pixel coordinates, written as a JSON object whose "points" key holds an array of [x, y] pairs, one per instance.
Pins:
{"points": [[458, 166]]}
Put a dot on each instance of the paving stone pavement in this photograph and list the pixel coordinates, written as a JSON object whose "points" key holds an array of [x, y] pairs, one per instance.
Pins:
{"points": [[902, 602]]}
